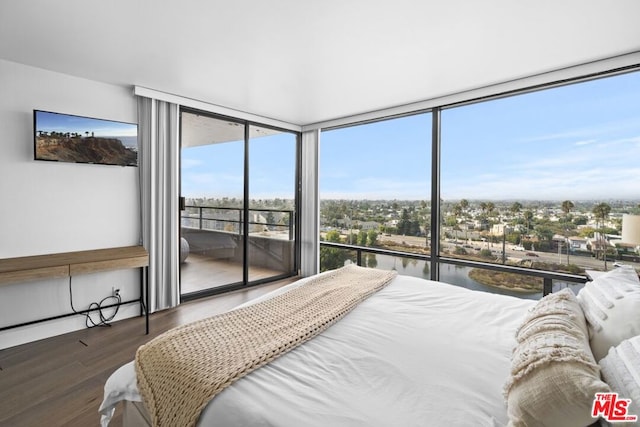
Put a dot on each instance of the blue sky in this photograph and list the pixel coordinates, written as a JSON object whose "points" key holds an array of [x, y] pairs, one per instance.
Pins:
{"points": [[576, 142], [218, 170], [49, 122]]}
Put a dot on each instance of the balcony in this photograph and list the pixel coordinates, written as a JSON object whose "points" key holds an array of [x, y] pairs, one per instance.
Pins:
{"points": [[216, 250], [456, 270]]}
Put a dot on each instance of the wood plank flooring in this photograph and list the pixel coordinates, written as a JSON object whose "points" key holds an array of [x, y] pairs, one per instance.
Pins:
{"points": [[59, 381]]}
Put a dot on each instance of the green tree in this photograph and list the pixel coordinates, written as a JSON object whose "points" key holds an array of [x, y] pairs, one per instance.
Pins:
{"points": [[545, 234], [601, 212], [579, 220], [486, 253], [451, 221], [372, 238], [362, 238], [332, 258], [528, 217], [270, 220], [567, 206], [404, 224], [515, 208], [414, 228], [457, 210], [464, 204], [459, 250], [490, 208]]}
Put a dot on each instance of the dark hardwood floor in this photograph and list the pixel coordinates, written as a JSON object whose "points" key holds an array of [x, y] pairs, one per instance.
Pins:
{"points": [[59, 381]]}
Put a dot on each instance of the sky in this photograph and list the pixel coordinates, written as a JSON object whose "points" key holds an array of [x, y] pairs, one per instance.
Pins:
{"points": [[575, 142], [47, 121], [217, 170]]}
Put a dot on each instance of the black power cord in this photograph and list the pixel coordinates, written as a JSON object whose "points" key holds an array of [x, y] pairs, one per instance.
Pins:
{"points": [[97, 306]]}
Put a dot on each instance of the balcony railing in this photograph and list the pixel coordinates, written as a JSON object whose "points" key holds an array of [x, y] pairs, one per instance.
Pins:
{"points": [[547, 276], [217, 218]]}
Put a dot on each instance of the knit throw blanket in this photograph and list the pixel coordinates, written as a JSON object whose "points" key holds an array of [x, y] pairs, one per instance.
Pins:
{"points": [[180, 371]]}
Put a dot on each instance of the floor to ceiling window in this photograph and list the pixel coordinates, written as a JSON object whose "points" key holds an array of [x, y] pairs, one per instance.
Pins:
{"points": [[538, 180], [374, 191], [541, 179], [238, 219]]}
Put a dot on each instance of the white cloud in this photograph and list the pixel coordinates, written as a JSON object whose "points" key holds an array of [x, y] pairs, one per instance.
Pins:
{"points": [[190, 163], [585, 142]]}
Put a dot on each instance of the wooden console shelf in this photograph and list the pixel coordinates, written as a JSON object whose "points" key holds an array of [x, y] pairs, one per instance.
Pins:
{"points": [[68, 264]]}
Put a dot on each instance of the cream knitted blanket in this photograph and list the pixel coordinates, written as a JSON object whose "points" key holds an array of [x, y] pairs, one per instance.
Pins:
{"points": [[181, 370]]}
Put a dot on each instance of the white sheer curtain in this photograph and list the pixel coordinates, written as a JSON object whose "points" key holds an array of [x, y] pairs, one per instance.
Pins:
{"points": [[310, 205], [158, 123]]}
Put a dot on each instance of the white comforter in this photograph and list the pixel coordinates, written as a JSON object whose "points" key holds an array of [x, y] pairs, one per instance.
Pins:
{"points": [[417, 353]]}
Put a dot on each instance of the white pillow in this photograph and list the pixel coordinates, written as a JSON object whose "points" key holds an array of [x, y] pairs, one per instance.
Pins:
{"points": [[611, 305], [553, 376], [621, 370]]}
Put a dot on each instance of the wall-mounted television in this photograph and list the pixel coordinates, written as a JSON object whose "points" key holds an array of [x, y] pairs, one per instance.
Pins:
{"points": [[77, 139]]}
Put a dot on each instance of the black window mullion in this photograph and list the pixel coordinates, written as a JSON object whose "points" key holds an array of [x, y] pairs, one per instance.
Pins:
{"points": [[435, 194], [245, 223]]}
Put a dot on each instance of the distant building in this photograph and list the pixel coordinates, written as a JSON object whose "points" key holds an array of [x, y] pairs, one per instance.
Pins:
{"points": [[500, 229], [628, 246], [578, 243], [631, 229]]}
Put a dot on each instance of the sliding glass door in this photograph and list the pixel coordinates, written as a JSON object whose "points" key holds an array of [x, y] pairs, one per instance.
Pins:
{"points": [[272, 202], [238, 210]]}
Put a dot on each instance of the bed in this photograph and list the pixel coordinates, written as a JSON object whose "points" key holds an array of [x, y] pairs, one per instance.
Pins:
{"points": [[419, 353]]}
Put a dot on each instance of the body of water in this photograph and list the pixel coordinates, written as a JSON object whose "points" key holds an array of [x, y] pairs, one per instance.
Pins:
{"points": [[453, 274], [129, 141]]}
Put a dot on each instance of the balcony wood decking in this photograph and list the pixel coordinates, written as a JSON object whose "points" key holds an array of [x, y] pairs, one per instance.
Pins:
{"points": [[200, 272]]}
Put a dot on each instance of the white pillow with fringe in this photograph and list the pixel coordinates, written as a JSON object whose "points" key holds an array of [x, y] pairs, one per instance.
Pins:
{"points": [[554, 376], [611, 305]]}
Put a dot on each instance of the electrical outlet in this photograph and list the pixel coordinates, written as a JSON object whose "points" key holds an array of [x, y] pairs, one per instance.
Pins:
{"points": [[115, 292]]}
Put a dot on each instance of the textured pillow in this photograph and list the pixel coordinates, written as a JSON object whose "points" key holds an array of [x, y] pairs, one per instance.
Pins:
{"points": [[621, 370], [553, 376], [611, 305]]}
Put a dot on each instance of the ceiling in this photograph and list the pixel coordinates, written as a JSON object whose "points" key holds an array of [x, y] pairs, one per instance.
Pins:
{"points": [[197, 130], [305, 62]]}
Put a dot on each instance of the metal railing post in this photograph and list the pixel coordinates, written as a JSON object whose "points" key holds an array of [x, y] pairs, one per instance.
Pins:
{"points": [[291, 222]]}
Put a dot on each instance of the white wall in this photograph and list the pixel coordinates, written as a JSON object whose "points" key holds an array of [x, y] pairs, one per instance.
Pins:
{"points": [[50, 207]]}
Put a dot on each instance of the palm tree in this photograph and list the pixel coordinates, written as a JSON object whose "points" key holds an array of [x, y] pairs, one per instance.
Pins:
{"points": [[567, 206], [601, 212], [490, 208], [457, 210], [528, 217], [515, 208], [464, 204]]}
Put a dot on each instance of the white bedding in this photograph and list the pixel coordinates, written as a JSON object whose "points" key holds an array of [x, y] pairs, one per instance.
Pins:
{"points": [[416, 353]]}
